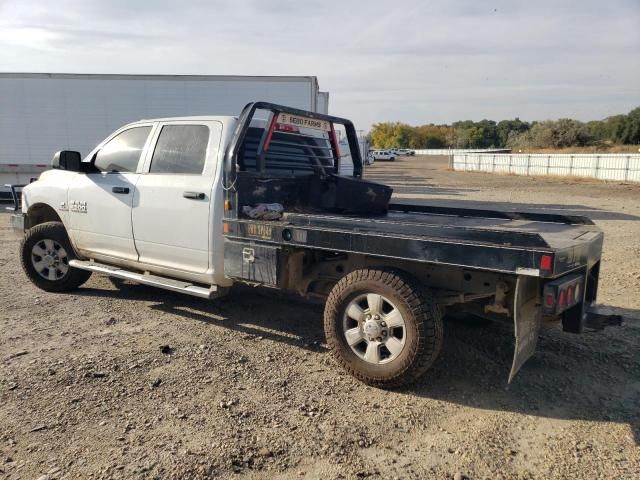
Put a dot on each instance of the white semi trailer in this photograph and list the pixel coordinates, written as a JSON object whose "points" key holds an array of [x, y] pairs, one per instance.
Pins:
{"points": [[41, 113]]}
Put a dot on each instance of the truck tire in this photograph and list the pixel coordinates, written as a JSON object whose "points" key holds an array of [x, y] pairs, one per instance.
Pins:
{"points": [[45, 252], [383, 327]]}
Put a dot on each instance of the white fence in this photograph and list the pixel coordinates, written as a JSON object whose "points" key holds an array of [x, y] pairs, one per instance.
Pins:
{"points": [[621, 167], [454, 151]]}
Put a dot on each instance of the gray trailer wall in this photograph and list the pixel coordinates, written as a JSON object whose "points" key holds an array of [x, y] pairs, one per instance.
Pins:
{"points": [[323, 103], [43, 113]]}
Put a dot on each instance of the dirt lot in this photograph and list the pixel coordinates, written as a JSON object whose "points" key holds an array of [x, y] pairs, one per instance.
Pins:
{"points": [[246, 388]]}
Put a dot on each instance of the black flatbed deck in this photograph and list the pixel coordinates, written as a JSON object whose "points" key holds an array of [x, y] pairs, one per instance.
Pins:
{"points": [[510, 242]]}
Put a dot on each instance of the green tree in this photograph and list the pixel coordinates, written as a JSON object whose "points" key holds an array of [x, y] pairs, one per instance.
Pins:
{"points": [[507, 129], [631, 129], [598, 131], [565, 132], [430, 136], [467, 134], [554, 134], [391, 134]]}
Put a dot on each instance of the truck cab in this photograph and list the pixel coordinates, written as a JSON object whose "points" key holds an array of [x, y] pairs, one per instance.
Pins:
{"points": [[146, 199]]}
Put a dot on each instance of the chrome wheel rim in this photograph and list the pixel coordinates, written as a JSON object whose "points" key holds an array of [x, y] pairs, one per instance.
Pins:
{"points": [[50, 259], [374, 328]]}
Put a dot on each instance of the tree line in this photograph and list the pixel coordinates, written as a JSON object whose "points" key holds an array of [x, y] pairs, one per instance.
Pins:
{"points": [[515, 134]]}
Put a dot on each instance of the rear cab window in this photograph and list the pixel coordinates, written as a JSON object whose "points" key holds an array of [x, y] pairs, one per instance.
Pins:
{"points": [[180, 149]]}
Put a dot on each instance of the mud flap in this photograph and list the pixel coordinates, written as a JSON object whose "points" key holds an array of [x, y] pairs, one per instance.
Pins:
{"points": [[527, 318]]}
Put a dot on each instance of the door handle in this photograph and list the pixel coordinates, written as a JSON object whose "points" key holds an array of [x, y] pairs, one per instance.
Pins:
{"points": [[194, 195], [123, 190]]}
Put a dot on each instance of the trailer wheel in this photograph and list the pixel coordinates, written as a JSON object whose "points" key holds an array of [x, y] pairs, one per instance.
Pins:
{"points": [[382, 327], [45, 252]]}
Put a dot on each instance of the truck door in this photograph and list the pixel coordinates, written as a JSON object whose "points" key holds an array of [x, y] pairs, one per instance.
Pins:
{"points": [[100, 202], [173, 199]]}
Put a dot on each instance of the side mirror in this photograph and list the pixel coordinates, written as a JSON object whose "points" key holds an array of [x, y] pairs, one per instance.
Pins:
{"points": [[67, 160]]}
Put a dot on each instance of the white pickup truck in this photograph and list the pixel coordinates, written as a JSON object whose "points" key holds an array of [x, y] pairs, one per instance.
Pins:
{"points": [[383, 155], [197, 204]]}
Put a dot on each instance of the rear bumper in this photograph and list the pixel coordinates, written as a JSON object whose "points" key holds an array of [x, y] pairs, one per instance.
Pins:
{"points": [[17, 223]]}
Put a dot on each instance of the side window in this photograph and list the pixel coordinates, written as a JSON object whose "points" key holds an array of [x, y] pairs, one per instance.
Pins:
{"points": [[180, 149], [122, 152]]}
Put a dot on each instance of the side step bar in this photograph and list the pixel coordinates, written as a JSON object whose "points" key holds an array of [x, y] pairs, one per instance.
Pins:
{"points": [[147, 279]]}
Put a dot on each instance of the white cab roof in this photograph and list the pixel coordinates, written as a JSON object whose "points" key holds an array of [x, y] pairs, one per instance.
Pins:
{"points": [[198, 118]]}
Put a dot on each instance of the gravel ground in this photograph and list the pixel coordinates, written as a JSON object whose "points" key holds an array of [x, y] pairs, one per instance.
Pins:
{"points": [[124, 381]]}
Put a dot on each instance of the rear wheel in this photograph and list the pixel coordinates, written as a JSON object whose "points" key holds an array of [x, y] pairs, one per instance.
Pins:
{"points": [[45, 252], [382, 327]]}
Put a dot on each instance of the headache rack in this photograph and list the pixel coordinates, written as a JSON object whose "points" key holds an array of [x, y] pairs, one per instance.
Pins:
{"points": [[293, 159], [266, 143], [286, 154]]}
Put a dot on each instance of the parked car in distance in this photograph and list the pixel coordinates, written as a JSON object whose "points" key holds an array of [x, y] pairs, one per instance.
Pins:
{"points": [[383, 155], [405, 151]]}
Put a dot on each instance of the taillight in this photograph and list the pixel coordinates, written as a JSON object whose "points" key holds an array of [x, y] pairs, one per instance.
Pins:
{"points": [[570, 298], [546, 262], [563, 298], [561, 294], [549, 300]]}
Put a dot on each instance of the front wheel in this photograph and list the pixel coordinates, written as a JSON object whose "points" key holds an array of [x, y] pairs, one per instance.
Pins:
{"points": [[382, 327], [45, 252]]}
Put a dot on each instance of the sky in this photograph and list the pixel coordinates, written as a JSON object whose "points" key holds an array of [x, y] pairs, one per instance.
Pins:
{"points": [[418, 62]]}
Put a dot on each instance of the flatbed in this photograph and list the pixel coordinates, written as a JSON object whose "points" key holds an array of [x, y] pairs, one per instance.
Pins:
{"points": [[468, 238]]}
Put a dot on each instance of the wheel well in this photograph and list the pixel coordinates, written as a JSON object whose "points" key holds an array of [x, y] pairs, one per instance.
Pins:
{"points": [[313, 272], [41, 213]]}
